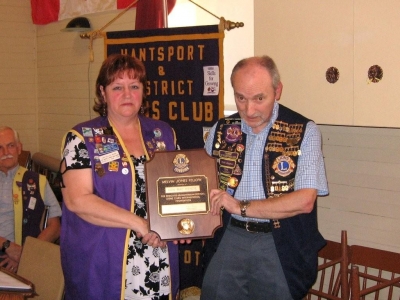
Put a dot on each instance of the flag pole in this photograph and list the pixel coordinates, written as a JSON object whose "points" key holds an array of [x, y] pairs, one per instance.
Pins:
{"points": [[97, 33], [165, 13], [91, 35]]}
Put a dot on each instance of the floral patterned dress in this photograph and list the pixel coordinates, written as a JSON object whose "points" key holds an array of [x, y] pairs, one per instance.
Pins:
{"points": [[147, 269]]}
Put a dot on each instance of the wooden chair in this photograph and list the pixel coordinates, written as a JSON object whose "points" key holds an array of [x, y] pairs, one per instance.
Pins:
{"points": [[40, 263], [24, 159], [376, 272], [45, 165], [48, 166], [332, 278]]}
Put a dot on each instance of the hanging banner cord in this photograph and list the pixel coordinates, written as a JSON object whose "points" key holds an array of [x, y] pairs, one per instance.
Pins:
{"points": [[226, 24], [91, 35]]}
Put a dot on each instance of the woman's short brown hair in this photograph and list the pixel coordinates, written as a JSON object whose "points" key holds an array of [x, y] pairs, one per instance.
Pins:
{"points": [[115, 66]]}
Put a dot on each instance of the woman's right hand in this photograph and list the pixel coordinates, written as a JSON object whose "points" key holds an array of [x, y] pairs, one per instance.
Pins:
{"points": [[140, 226], [148, 237], [153, 239]]}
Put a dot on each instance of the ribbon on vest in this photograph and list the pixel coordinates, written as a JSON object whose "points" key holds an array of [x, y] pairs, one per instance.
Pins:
{"points": [[17, 199]]}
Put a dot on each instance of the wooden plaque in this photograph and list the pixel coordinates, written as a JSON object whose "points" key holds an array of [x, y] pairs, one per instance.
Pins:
{"points": [[178, 185]]}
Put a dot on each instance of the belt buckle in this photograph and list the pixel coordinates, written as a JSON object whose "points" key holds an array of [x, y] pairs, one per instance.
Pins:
{"points": [[248, 230]]}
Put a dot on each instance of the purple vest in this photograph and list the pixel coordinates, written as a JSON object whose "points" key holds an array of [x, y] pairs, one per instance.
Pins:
{"points": [[97, 252]]}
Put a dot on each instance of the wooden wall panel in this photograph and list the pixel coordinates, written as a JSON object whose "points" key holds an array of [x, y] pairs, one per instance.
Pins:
{"points": [[66, 78], [18, 71], [362, 169]]}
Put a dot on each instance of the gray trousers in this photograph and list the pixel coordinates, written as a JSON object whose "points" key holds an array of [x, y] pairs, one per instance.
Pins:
{"points": [[245, 267]]}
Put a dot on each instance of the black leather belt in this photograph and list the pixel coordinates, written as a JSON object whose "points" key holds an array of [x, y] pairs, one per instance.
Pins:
{"points": [[252, 226]]}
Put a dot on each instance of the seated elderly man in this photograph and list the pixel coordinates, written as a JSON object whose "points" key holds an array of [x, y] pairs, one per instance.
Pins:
{"points": [[24, 195]]}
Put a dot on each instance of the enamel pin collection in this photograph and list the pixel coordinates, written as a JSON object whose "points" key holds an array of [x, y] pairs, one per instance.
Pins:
{"points": [[280, 155], [107, 149]]}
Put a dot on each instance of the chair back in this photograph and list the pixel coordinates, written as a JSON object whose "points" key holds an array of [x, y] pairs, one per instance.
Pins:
{"points": [[24, 159], [332, 279], [40, 263], [376, 272]]}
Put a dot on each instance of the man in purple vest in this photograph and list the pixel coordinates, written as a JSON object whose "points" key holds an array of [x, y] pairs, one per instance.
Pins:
{"points": [[271, 171], [24, 195]]}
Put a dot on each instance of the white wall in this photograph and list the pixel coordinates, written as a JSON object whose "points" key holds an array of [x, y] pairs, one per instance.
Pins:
{"points": [[238, 42]]}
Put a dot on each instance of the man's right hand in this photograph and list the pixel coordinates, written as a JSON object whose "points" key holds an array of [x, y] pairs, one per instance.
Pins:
{"points": [[8, 263], [14, 252]]}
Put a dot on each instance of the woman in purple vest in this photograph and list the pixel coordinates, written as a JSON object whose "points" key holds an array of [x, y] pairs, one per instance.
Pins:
{"points": [[107, 249]]}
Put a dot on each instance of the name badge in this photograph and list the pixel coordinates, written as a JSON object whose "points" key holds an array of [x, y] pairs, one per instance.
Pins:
{"points": [[106, 158], [32, 203]]}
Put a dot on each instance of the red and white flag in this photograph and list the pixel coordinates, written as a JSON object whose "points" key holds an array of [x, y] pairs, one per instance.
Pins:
{"points": [[150, 14], [47, 11]]}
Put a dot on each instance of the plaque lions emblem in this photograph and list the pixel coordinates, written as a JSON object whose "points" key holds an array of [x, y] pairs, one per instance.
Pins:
{"points": [[181, 163]]}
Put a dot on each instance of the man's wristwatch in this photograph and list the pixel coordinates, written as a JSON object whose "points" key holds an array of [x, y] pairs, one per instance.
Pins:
{"points": [[6, 244], [243, 207]]}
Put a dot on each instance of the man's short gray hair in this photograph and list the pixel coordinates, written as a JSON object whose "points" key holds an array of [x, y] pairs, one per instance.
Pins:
{"points": [[16, 135], [263, 61]]}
